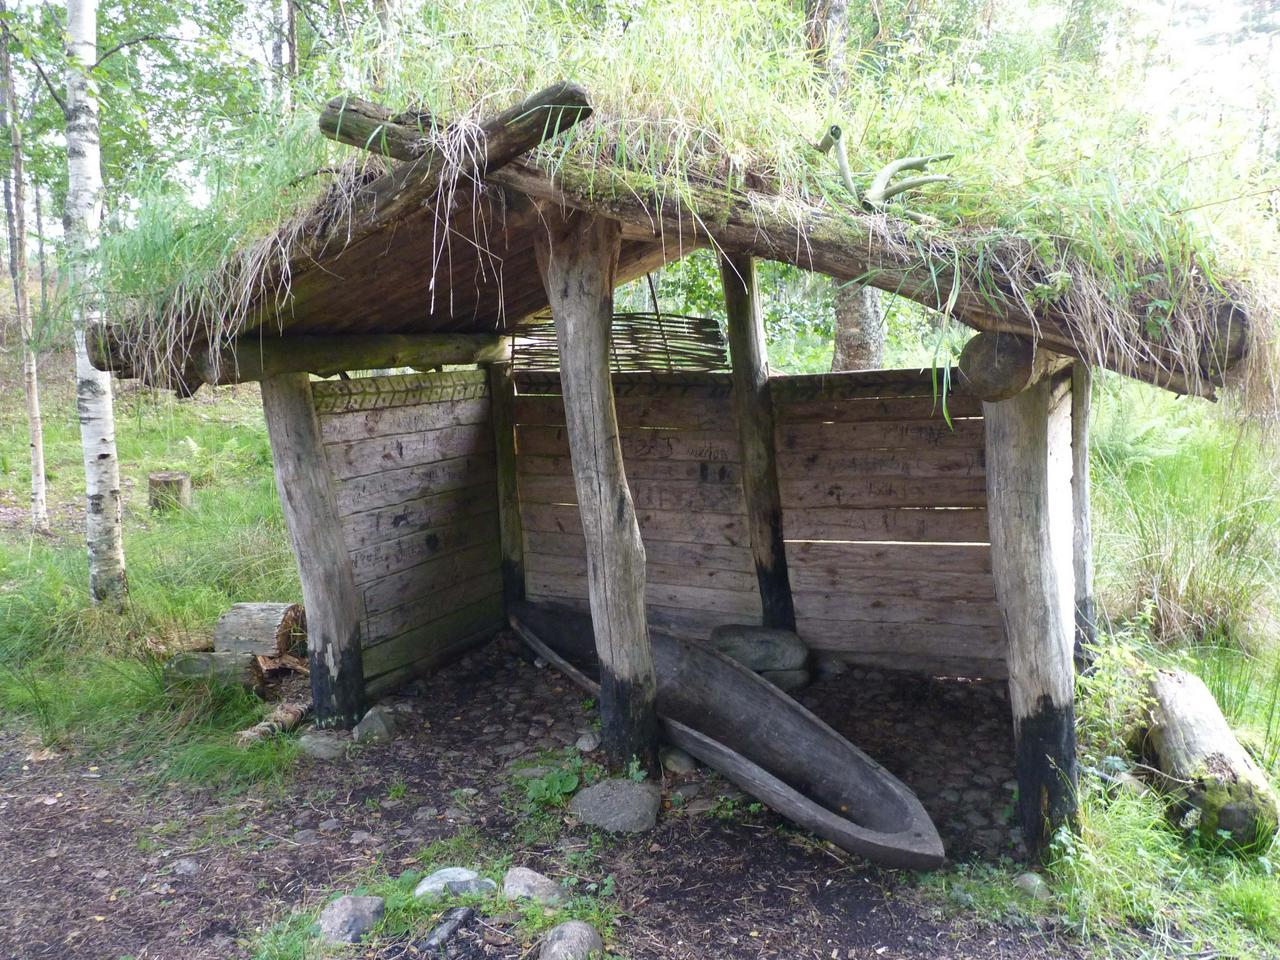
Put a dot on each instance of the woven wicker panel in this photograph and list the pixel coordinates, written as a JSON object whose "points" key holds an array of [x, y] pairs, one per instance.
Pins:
{"points": [[662, 342]]}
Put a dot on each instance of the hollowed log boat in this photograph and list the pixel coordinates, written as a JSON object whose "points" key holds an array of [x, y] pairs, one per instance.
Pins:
{"points": [[759, 739]]}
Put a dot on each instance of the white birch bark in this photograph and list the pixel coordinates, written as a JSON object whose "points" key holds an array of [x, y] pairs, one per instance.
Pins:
{"points": [[103, 528], [21, 304]]}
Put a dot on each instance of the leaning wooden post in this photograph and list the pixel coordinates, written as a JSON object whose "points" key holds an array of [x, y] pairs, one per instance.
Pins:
{"points": [[334, 606], [754, 409], [578, 257], [1034, 587], [1082, 535], [502, 400]]}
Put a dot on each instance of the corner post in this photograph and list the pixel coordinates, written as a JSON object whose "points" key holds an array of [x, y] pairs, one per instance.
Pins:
{"points": [[333, 604], [502, 400], [754, 408], [1082, 534], [578, 257], [1029, 510]]}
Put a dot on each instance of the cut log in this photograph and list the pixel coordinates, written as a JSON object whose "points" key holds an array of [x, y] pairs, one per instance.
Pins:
{"points": [[234, 669], [168, 490], [997, 366], [578, 256], [1031, 565], [754, 408], [256, 358], [285, 717], [1205, 767], [263, 629]]}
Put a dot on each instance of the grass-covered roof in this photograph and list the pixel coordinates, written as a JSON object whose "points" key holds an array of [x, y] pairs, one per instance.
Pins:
{"points": [[1068, 199]]}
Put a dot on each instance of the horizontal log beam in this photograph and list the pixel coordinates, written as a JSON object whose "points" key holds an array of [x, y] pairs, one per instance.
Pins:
{"points": [[846, 248], [998, 366]]}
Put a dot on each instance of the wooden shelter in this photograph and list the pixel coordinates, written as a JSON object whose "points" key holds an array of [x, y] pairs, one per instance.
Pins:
{"points": [[885, 523]]}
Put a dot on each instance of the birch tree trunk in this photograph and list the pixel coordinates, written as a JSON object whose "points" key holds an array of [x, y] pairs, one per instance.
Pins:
{"points": [[103, 528], [40, 257], [16, 212], [859, 327]]}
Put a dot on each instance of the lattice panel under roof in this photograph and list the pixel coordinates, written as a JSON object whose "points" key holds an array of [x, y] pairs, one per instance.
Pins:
{"points": [[655, 342]]}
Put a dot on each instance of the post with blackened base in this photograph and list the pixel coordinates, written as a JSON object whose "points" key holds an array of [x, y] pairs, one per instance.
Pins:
{"points": [[754, 408], [1029, 502], [334, 606], [578, 257]]}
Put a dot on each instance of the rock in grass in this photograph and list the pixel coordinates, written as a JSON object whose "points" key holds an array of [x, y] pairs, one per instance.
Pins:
{"points": [[322, 745], [438, 882], [378, 724], [619, 806], [348, 919], [760, 648], [521, 883], [1033, 885], [574, 940], [589, 742]]}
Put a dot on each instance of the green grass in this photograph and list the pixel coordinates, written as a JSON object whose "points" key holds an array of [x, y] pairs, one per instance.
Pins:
{"points": [[86, 678]]}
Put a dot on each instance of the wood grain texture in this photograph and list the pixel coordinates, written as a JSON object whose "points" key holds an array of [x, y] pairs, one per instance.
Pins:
{"points": [[387, 489], [1082, 529], [333, 603], [502, 390]]}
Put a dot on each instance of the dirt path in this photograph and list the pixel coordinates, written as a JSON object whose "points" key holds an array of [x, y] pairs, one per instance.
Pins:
{"points": [[101, 866]]}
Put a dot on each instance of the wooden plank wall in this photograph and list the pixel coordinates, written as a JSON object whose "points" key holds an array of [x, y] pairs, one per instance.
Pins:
{"points": [[884, 512], [413, 463], [680, 449]]}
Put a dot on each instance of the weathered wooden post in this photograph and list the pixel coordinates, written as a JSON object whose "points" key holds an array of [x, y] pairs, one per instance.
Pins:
{"points": [[502, 399], [578, 257], [334, 606], [1082, 535], [1030, 510], [754, 408]]}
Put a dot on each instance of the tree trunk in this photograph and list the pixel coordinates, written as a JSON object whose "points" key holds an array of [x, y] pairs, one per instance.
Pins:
{"points": [[578, 257], [1207, 768], [858, 341], [44, 269], [859, 328], [103, 527], [16, 213]]}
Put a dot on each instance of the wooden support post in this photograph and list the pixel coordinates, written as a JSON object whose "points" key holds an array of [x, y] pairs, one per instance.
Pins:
{"points": [[1082, 535], [754, 408], [578, 257], [1026, 457], [334, 606], [502, 401]]}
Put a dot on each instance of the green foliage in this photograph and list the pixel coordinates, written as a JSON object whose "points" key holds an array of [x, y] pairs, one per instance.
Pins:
{"points": [[552, 790]]}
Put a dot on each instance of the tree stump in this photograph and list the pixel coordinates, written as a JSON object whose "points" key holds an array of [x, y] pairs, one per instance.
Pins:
{"points": [[263, 629], [1205, 767], [235, 669], [168, 490]]}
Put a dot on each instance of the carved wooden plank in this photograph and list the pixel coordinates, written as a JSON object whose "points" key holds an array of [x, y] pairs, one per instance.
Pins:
{"points": [[388, 421], [430, 577], [429, 641], [578, 260], [713, 528], [646, 494], [858, 464], [673, 470], [894, 409], [503, 392], [364, 457], [402, 519], [1036, 596], [841, 605], [674, 383], [909, 639], [683, 413], [753, 408], [876, 491], [421, 608], [909, 557], [942, 525], [397, 390], [682, 574], [376, 490], [870, 435], [670, 553], [333, 604], [392, 556], [713, 446]]}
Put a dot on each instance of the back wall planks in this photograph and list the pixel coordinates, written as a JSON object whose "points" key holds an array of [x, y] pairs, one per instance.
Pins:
{"points": [[413, 463]]}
